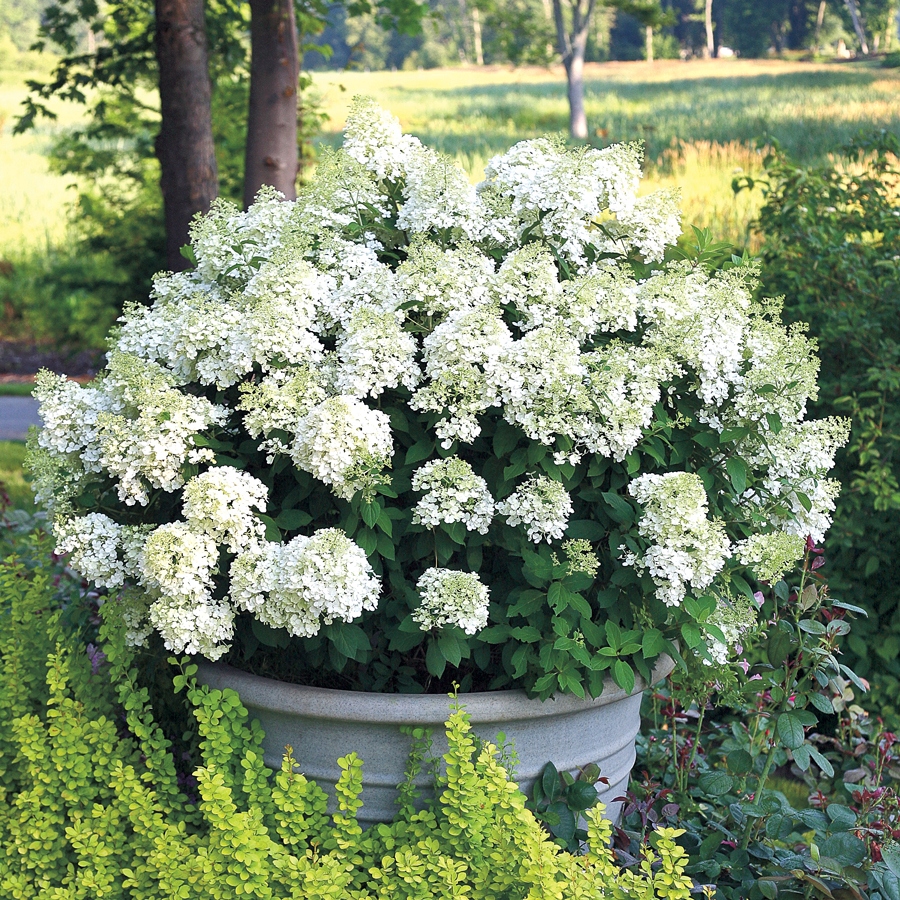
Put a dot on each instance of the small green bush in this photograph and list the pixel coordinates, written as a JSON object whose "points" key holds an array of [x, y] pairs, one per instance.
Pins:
{"points": [[91, 805], [832, 248], [64, 298]]}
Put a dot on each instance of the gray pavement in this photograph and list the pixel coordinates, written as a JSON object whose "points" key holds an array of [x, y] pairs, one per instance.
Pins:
{"points": [[16, 414]]}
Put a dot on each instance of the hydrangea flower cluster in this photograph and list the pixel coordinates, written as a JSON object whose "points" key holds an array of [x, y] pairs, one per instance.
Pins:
{"points": [[307, 581], [771, 554], [295, 430], [733, 619], [220, 503], [448, 597], [341, 441], [686, 547], [542, 505], [102, 550], [453, 493]]}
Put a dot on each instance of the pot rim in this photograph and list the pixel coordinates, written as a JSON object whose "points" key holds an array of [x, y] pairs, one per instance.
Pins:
{"points": [[258, 692]]}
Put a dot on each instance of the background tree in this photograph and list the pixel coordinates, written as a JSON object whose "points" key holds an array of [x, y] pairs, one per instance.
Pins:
{"points": [[650, 14], [518, 31], [271, 149], [139, 49], [874, 22], [573, 22], [19, 21], [189, 178], [125, 62]]}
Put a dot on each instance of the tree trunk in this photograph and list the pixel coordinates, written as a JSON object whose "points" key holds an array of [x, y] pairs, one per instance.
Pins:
{"points": [[575, 78], [890, 27], [710, 41], [648, 42], [271, 152], [476, 36], [184, 146], [572, 48], [857, 26], [463, 37], [820, 18]]}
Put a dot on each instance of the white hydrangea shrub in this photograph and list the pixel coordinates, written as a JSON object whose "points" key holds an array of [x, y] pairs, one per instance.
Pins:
{"points": [[422, 425]]}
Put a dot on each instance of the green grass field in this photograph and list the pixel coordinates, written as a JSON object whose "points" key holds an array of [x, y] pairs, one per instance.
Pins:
{"points": [[700, 121], [15, 389], [34, 199]]}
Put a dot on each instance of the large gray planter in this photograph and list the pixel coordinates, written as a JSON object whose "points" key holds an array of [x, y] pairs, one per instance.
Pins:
{"points": [[322, 725]]}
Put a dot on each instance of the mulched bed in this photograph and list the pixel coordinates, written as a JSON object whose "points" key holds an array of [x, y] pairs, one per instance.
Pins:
{"points": [[19, 362]]}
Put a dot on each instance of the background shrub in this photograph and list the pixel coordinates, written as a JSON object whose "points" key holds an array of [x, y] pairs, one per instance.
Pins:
{"points": [[832, 248]]}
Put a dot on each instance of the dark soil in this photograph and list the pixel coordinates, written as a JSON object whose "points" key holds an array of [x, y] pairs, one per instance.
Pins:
{"points": [[18, 359]]}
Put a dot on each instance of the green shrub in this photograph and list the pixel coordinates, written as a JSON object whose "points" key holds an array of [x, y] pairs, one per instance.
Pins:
{"points": [[832, 239], [91, 805], [15, 492], [63, 298], [782, 786]]}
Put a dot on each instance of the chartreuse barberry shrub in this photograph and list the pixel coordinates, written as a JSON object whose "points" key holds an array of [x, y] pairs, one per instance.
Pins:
{"points": [[406, 432], [91, 806]]}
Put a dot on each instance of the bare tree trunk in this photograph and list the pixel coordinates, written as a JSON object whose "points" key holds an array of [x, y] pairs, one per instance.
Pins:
{"points": [[648, 42], [463, 37], [271, 151], [710, 40], [891, 27], [572, 47], [184, 146], [577, 116], [820, 18], [476, 36], [857, 26]]}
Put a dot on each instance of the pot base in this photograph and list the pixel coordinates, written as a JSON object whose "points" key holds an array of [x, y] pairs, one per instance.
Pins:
{"points": [[322, 725]]}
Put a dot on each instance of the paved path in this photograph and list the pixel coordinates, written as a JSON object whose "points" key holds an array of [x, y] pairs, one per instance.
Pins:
{"points": [[16, 414]]}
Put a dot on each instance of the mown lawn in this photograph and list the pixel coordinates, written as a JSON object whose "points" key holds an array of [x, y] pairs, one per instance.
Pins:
{"points": [[16, 389]]}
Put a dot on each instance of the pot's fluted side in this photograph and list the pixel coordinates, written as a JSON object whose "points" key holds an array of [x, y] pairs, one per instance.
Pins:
{"points": [[322, 725]]}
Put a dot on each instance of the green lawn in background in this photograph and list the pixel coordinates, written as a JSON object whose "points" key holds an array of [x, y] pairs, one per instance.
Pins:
{"points": [[33, 200], [699, 120], [12, 479], [16, 389]]}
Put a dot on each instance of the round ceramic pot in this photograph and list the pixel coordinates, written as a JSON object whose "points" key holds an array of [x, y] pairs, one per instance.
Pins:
{"points": [[322, 724]]}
